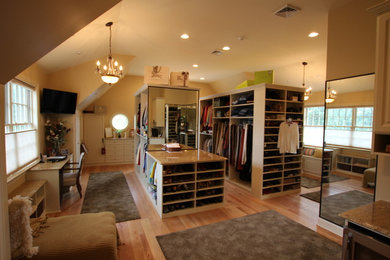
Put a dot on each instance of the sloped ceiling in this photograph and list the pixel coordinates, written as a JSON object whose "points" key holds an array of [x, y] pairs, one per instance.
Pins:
{"points": [[149, 30], [30, 29]]}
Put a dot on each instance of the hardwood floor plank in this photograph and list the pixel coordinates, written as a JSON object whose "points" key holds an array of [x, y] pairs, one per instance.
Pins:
{"points": [[139, 236]]}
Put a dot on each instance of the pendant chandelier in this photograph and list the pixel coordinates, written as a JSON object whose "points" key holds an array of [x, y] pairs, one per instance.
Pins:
{"points": [[111, 72], [308, 90], [330, 94]]}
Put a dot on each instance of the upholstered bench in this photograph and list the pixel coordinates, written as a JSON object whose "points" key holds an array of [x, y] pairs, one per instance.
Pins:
{"points": [[369, 177], [84, 236]]}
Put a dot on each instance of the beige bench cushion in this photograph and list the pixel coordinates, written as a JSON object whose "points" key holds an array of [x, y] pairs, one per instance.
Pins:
{"points": [[85, 236]]}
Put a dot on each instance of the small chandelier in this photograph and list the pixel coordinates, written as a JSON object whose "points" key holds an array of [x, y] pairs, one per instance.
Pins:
{"points": [[330, 94], [308, 90], [111, 72]]}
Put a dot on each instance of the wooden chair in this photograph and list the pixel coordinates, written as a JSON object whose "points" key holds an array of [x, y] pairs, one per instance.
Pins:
{"points": [[71, 175]]}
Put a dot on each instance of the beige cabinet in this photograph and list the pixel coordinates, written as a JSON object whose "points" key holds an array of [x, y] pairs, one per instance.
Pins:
{"points": [[93, 135], [381, 131], [119, 150]]}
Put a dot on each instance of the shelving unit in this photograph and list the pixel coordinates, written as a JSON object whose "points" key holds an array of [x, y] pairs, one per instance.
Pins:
{"points": [[265, 107], [186, 185], [147, 99], [326, 165], [353, 164], [36, 191]]}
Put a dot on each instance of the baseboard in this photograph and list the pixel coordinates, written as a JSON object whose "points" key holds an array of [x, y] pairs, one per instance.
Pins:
{"points": [[335, 229]]}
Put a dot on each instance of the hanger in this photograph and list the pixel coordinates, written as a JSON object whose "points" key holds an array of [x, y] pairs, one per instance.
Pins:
{"points": [[289, 121]]}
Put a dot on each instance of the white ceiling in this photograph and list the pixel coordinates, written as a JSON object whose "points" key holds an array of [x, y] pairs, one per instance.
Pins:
{"points": [[150, 30]]}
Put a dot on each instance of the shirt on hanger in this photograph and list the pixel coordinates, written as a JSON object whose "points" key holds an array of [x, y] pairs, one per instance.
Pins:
{"points": [[288, 139]]}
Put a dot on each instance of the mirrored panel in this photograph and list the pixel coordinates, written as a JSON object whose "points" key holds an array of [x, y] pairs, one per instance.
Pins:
{"points": [[173, 116], [348, 168]]}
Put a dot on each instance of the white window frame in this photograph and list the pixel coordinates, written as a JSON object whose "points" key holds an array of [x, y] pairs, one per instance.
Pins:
{"points": [[19, 128]]}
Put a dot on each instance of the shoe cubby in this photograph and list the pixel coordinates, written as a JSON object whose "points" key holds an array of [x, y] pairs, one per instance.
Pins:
{"points": [[182, 178], [208, 201], [172, 189], [272, 176], [223, 101], [277, 94], [295, 96], [274, 106], [180, 186], [209, 193], [177, 206]]}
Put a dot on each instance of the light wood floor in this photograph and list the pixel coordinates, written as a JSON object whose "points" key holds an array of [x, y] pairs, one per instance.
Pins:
{"points": [[138, 236]]}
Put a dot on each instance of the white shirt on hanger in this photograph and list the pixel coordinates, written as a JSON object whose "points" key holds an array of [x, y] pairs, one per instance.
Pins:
{"points": [[288, 140]]}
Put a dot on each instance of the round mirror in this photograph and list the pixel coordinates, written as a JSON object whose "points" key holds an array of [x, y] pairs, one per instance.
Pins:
{"points": [[120, 121]]}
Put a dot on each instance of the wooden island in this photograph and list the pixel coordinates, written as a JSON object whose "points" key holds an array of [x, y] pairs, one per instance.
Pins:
{"points": [[184, 182]]}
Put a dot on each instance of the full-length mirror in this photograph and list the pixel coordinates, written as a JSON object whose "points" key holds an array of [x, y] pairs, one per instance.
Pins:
{"points": [[348, 168], [173, 116]]}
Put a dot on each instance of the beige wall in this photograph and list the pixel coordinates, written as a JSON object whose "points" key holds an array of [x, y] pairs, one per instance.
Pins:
{"points": [[360, 98], [351, 51], [82, 78], [351, 40], [120, 98]]}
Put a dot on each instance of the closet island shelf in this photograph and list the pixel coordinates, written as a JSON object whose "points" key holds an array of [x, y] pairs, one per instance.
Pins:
{"points": [[185, 182], [254, 114]]}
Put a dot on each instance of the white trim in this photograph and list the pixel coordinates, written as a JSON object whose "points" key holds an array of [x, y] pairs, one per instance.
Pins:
{"points": [[5, 248], [335, 229]]}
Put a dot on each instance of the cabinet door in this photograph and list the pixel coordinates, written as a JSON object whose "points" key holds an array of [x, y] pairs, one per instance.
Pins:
{"points": [[382, 77], [93, 133]]}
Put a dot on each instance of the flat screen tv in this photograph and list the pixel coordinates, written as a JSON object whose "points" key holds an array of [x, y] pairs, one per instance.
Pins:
{"points": [[58, 102]]}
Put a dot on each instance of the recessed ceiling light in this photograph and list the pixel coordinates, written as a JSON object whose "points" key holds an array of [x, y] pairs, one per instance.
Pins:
{"points": [[184, 36], [313, 34], [226, 48], [195, 65], [202, 78]]}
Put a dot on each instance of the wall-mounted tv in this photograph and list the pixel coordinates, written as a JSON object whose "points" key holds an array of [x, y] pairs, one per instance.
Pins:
{"points": [[58, 102]]}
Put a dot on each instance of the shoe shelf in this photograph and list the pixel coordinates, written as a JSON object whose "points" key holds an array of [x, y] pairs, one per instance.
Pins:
{"points": [[187, 187], [281, 104]]}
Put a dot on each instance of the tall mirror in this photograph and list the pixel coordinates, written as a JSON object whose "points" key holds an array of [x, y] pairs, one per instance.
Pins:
{"points": [[348, 167], [173, 116]]}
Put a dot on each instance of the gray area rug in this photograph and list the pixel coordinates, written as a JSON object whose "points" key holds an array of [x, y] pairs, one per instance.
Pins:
{"points": [[333, 205], [312, 183], [108, 191], [315, 196], [264, 235]]}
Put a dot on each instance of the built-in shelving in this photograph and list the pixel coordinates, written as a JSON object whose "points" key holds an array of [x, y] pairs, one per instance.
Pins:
{"points": [[267, 106]]}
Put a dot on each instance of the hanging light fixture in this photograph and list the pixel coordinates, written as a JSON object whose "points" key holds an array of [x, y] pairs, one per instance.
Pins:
{"points": [[330, 94], [308, 90], [111, 72]]}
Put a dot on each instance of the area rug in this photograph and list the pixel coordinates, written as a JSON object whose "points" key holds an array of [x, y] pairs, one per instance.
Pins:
{"points": [[315, 196], [333, 205], [108, 191], [264, 235], [312, 183]]}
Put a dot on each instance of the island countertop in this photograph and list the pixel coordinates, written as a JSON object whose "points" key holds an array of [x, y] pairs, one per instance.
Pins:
{"points": [[184, 156], [374, 216]]}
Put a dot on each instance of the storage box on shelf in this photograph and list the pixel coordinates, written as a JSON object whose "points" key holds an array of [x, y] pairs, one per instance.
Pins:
{"points": [[265, 107], [36, 191]]}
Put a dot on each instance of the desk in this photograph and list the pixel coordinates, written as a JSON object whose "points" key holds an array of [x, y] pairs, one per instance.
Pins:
{"points": [[52, 173]]}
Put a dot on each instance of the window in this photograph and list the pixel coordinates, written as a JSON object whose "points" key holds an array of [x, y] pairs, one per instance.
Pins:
{"points": [[349, 126], [346, 126], [313, 126], [21, 138]]}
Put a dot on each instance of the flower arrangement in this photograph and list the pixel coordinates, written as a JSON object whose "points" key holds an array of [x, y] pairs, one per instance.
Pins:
{"points": [[55, 133]]}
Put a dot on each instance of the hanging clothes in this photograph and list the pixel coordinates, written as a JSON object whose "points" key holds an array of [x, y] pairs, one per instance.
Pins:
{"points": [[206, 119], [288, 139], [241, 149]]}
